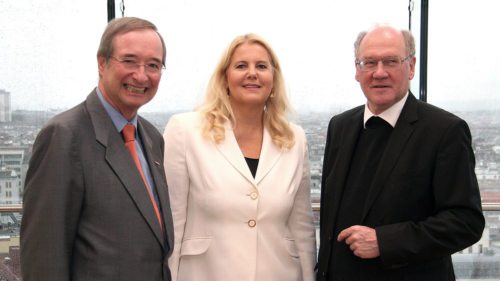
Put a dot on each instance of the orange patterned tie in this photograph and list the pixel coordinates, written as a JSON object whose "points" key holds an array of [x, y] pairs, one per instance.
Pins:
{"points": [[129, 136]]}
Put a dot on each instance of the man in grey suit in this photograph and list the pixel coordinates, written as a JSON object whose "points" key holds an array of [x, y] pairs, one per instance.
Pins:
{"points": [[399, 195], [94, 210]]}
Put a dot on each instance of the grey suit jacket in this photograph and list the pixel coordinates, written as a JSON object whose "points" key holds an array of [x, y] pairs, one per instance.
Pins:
{"points": [[87, 214], [424, 200]]}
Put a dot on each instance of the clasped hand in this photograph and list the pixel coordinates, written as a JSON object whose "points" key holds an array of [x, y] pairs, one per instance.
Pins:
{"points": [[362, 241]]}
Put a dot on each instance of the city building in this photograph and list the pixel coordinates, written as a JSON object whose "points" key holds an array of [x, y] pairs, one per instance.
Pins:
{"points": [[12, 158], [10, 187], [5, 109]]}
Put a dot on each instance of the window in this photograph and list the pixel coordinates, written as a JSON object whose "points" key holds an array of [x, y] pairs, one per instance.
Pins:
{"points": [[314, 42]]}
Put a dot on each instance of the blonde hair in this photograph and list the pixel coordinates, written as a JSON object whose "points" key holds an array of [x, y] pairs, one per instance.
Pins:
{"points": [[216, 110]]}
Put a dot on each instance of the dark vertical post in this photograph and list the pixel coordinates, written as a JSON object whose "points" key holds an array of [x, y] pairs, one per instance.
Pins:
{"points": [[111, 10], [410, 9], [424, 27]]}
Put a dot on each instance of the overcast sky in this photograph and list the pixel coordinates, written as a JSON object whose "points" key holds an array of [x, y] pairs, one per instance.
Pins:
{"points": [[48, 48]]}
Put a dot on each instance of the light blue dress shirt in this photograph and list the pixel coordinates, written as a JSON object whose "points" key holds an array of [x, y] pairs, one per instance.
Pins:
{"points": [[119, 121]]}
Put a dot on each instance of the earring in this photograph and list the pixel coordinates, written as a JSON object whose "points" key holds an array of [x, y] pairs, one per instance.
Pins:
{"points": [[271, 95]]}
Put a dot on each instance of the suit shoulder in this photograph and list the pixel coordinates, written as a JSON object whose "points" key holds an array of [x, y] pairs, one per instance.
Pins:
{"points": [[186, 119], [434, 113], [64, 129], [349, 113], [146, 123], [70, 120], [298, 131], [149, 127], [183, 124], [346, 117]]}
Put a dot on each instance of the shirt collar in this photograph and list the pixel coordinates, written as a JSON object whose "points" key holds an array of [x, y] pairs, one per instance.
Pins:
{"points": [[389, 115], [118, 120]]}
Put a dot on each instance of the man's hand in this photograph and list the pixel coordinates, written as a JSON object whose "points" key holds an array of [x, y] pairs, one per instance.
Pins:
{"points": [[362, 240]]}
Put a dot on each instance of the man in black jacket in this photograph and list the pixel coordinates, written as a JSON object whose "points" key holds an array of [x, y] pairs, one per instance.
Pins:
{"points": [[399, 193]]}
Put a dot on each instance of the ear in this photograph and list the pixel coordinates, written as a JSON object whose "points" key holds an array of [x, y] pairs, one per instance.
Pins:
{"points": [[101, 64], [225, 84], [356, 76], [413, 62]]}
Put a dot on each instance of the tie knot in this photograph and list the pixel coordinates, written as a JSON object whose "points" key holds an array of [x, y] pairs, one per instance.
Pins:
{"points": [[129, 132]]}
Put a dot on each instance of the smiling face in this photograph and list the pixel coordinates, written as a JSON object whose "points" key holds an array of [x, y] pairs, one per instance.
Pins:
{"points": [[126, 88], [249, 76], [384, 87]]}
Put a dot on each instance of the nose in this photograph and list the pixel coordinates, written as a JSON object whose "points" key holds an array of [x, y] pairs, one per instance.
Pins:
{"points": [[252, 72], [380, 71], [140, 74]]}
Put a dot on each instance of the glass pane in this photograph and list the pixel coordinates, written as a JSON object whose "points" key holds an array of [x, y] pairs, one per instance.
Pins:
{"points": [[482, 260], [463, 78], [313, 40], [47, 65], [48, 51]]}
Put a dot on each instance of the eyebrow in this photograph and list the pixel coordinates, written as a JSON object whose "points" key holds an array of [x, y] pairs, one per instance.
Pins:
{"points": [[136, 57], [260, 61], [380, 57]]}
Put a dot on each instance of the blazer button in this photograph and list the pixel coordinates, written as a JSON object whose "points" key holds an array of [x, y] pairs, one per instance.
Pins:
{"points": [[252, 223], [254, 195]]}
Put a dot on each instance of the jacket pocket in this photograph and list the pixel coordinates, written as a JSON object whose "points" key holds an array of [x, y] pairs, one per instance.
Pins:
{"points": [[291, 248], [195, 246]]}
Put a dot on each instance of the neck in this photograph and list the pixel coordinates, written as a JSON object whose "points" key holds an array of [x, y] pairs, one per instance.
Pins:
{"points": [[248, 130], [248, 116], [247, 120]]}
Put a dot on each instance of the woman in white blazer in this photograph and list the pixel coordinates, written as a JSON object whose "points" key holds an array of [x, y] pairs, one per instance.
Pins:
{"points": [[238, 177]]}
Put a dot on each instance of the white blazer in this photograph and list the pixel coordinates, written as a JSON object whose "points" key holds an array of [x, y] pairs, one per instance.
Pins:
{"points": [[229, 225]]}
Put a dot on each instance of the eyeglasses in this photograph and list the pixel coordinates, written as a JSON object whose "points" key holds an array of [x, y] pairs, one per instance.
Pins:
{"points": [[389, 63], [133, 65]]}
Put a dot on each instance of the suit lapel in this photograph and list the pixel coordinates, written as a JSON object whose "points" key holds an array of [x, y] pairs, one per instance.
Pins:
{"points": [[121, 162], [126, 170], [349, 136], [269, 155], [395, 146], [157, 170], [232, 153]]}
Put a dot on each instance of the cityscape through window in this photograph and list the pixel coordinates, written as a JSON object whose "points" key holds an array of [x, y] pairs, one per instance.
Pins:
{"points": [[48, 59]]}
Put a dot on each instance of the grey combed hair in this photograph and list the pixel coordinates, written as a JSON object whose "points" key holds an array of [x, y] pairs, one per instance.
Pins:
{"points": [[408, 37]]}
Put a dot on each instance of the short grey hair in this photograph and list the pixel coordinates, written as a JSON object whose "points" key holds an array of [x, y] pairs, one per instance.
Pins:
{"points": [[408, 37]]}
